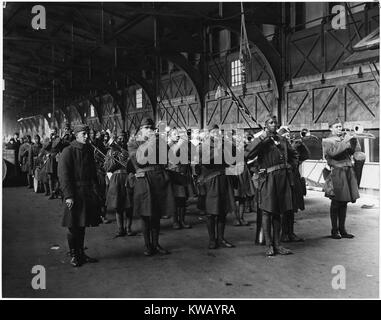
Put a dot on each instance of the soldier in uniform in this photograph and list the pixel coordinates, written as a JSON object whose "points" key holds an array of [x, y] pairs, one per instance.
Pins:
{"points": [[99, 156], [77, 174], [244, 190], [275, 159], [106, 138], [341, 184], [120, 192], [24, 154], [51, 149], [153, 194], [179, 187], [288, 218], [33, 155], [217, 187]]}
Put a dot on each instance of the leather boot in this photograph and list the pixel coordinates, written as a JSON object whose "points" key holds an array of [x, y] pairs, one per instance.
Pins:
{"points": [[241, 213], [278, 249], [176, 225], [237, 222], [293, 237], [259, 236], [47, 190], [182, 219], [222, 242], [148, 251], [285, 227], [211, 225], [75, 260], [52, 191], [119, 221], [85, 258], [30, 182], [342, 217], [155, 242], [334, 214]]}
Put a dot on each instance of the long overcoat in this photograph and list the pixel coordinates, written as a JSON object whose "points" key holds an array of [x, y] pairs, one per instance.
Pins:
{"points": [[52, 149], [120, 190], [77, 176], [185, 188], [217, 187], [298, 187], [32, 156], [24, 152], [153, 193], [338, 152], [245, 186], [275, 187]]}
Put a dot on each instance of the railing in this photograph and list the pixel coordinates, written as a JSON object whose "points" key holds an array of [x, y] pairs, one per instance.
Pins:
{"points": [[312, 171], [322, 48]]}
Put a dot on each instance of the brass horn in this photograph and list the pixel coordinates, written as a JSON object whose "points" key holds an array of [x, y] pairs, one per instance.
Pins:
{"points": [[357, 131], [96, 149]]}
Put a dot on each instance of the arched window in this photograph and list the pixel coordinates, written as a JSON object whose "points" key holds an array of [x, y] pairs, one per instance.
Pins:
{"points": [[236, 68], [92, 111], [139, 98]]}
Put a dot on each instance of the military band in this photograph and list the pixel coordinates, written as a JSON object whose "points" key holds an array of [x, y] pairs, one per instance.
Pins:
{"points": [[129, 176]]}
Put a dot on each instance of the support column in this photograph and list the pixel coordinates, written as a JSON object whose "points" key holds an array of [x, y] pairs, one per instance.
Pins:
{"points": [[283, 51], [157, 66]]}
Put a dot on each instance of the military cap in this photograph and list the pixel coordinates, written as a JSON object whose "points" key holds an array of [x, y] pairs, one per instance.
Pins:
{"points": [[334, 121], [270, 117], [81, 127], [147, 122]]}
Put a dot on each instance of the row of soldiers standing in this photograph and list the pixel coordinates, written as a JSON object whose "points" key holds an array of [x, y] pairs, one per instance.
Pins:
{"points": [[149, 190]]}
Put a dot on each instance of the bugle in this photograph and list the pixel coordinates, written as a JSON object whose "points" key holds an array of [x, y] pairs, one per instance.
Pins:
{"points": [[357, 131], [104, 156]]}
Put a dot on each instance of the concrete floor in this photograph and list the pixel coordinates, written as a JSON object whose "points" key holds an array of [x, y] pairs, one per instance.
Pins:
{"points": [[31, 226]]}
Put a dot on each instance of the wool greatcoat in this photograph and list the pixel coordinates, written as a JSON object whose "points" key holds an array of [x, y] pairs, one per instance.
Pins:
{"points": [[245, 186], [24, 152], [184, 169], [298, 188], [52, 149], [153, 194], [77, 175], [216, 187], [275, 179], [338, 154], [32, 157], [120, 190]]}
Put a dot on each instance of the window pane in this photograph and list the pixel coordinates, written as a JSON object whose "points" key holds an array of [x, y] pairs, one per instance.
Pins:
{"points": [[139, 98], [92, 111]]}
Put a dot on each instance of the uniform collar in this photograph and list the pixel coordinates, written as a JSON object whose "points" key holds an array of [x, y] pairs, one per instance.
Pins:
{"points": [[78, 145]]}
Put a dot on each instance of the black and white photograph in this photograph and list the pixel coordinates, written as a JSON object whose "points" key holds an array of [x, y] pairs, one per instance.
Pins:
{"points": [[190, 150]]}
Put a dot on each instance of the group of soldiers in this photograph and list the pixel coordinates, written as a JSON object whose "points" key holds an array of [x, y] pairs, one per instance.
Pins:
{"points": [[142, 176], [31, 155]]}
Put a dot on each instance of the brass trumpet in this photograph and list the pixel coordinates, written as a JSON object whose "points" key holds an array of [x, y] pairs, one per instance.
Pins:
{"points": [[358, 132]]}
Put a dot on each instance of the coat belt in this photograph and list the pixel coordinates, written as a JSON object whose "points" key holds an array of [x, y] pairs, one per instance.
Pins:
{"points": [[278, 167], [213, 174], [150, 168], [84, 183], [120, 171], [341, 164]]}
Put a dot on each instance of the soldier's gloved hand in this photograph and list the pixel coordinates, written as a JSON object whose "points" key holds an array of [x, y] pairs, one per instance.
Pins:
{"points": [[69, 202], [348, 137], [263, 135]]}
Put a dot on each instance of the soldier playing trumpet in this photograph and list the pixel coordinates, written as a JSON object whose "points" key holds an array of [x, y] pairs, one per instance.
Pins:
{"points": [[341, 184], [275, 159], [120, 193]]}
